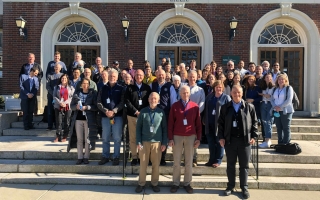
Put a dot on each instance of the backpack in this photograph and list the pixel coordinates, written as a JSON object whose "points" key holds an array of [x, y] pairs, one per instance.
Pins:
{"points": [[295, 99], [290, 148]]}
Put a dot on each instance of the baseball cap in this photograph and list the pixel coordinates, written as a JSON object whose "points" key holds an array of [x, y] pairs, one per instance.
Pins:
{"points": [[116, 62]]}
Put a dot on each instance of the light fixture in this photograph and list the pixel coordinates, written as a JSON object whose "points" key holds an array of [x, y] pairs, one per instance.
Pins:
{"points": [[125, 25], [233, 25], [21, 24]]}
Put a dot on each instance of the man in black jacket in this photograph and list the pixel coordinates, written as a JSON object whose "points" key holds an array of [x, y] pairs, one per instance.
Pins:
{"points": [[237, 131], [136, 98]]}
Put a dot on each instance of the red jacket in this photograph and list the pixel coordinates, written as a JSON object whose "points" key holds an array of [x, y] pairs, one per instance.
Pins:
{"points": [[176, 117]]}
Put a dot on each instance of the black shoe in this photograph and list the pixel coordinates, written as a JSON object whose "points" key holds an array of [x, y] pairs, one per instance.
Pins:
{"points": [[31, 127], [228, 191], [86, 161], [188, 189], [194, 163], [26, 128], [174, 189], [103, 161], [139, 189], [93, 145], [115, 161], [49, 128], [155, 188], [245, 194], [208, 164], [150, 163], [163, 162], [134, 162], [79, 161]]}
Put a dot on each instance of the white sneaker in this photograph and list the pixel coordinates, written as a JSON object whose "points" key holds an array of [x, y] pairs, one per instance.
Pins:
{"points": [[269, 143], [264, 145]]}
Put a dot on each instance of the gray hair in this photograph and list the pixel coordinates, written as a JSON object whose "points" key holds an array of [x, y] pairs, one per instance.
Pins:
{"points": [[237, 87], [266, 62], [176, 77], [184, 87], [192, 72], [113, 71]]}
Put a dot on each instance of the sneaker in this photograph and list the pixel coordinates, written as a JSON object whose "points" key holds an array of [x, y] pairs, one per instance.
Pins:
{"points": [[228, 191], [86, 161], [163, 162], [174, 189], [79, 161], [155, 188], [245, 194], [139, 189], [194, 163], [49, 128], [115, 161], [103, 161], [265, 145], [188, 189], [134, 162]]}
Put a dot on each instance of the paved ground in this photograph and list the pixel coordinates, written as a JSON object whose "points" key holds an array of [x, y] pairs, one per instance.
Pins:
{"points": [[87, 192]]}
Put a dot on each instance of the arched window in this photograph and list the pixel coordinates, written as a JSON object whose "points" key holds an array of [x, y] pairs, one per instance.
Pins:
{"points": [[178, 33], [279, 34], [78, 32]]}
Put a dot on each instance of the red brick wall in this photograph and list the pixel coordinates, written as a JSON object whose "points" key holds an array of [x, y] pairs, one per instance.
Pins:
{"points": [[140, 15]]}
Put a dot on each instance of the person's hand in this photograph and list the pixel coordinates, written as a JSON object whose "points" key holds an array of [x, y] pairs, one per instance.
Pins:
{"points": [[30, 95], [252, 141], [163, 147], [196, 144], [267, 95], [277, 108], [63, 105], [84, 108], [249, 100], [171, 143], [78, 107], [140, 147], [222, 142], [110, 113], [138, 113]]}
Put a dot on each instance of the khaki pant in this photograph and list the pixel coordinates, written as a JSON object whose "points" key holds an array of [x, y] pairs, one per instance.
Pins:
{"points": [[132, 124], [150, 150], [180, 143], [82, 131]]}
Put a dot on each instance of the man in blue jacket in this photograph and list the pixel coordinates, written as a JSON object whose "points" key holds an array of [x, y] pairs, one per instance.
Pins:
{"points": [[29, 86]]}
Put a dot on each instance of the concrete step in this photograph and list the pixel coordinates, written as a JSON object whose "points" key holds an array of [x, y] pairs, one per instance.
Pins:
{"points": [[68, 166], [271, 183], [299, 136], [37, 125], [36, 118], [31, 132], [302, 128], [306, 121]]}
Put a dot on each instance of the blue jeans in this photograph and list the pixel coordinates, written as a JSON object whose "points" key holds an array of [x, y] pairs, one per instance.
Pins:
{"points": [[283, 127], [266, 118], [116, 130], [216, 152]]}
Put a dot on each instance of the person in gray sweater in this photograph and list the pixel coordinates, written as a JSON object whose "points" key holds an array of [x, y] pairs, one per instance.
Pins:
{"points": [[151, 140]]}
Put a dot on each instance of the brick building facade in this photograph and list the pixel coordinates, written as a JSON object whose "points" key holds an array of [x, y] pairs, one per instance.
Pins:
{"points": [[46, 19]]}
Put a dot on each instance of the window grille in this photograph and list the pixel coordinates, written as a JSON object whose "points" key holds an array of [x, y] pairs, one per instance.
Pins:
{"points": [[78, 32], [178, 33], [279, 34]]}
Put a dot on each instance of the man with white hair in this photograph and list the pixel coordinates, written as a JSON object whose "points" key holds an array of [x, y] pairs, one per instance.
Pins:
{"points": [[110, 102], [167, 98], [266, 67], [197, 95], [52, 81], [176, 84], [77, 63], [184, 132], [230, 66]]}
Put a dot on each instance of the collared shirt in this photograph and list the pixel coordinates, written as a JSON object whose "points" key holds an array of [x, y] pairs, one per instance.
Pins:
{"points": [[139, 86], [185, 102], [31, 80], [236, 106]]}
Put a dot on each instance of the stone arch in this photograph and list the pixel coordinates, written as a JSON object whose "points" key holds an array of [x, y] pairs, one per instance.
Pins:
{"points": [[189, 17], [53, 26], [310, 39]]}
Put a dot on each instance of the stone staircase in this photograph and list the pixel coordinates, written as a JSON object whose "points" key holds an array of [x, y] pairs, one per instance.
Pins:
{"points": [[31, 157]]}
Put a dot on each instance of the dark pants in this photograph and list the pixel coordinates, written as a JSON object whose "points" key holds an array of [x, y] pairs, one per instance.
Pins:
{"points": [[50, 111], [62, 117], [216, 151], [27, 106], [238, 148]]}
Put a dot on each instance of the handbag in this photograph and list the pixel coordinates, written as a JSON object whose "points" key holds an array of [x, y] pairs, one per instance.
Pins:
{"points": [[290, 148]]}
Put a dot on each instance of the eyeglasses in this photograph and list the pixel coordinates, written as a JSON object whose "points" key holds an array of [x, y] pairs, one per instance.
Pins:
{"points": [[275, 65]]}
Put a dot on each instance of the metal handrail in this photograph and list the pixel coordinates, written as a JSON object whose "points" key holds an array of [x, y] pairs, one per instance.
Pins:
{"points": [[255, 156]]}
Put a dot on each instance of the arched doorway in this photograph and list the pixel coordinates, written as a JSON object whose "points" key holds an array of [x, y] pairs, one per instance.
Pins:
{"points": [[306, 46], [50, 38], [180, 37]]}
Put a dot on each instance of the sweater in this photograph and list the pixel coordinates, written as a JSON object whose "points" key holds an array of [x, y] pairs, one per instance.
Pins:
{"points": [[159, 125], [176, 117], [197, 95]]}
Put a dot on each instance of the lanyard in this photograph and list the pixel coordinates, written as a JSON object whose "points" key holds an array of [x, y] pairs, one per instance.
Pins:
{"points": [[279, 91], [177, 92], [151, 118], [139, 91], [185, 108]]}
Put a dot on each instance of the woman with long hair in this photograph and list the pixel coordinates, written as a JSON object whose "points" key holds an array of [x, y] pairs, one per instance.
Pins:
{"points": [[281, 101], [62, 95], [213, 65], [209, 83], [214, 101], [223, 78], [218, 72], [265, 107], [253, 94]]}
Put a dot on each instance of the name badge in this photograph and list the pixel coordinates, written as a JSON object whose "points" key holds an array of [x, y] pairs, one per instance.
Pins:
{"points": [[140, 102], [108, 100], [213, 112], [234, 123], [62, 99], [151, 129], [185, 122]]}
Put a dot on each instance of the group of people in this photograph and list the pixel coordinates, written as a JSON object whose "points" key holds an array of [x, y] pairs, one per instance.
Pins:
{"points": [[163, 109]]}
